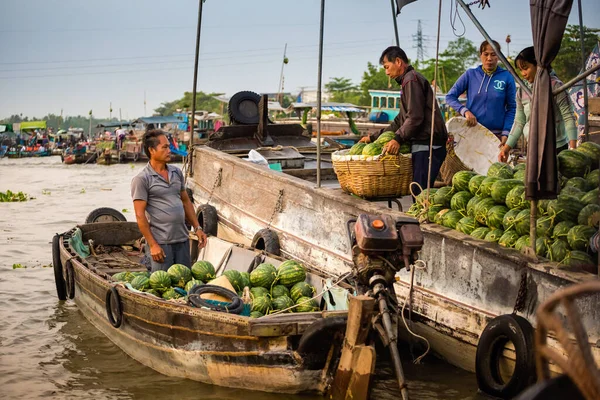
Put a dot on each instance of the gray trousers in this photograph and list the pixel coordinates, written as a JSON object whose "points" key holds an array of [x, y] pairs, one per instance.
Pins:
{"points": [[175, 253]]}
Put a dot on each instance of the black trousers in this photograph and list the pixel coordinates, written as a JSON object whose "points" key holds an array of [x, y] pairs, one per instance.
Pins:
{"points": [[420, 163]]}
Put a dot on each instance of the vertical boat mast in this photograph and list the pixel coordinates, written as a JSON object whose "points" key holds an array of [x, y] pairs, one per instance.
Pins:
{"points": [[320, 75], [192, 122]]}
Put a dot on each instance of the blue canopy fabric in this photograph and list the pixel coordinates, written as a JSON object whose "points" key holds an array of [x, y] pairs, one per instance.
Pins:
{"points": [[159, 120]]}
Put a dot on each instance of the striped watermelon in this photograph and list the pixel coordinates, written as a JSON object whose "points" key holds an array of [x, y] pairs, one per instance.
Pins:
{"points": [[357, 149], [235, 278], [140, 283], [523, 222], [302, 289], [264, 275], [372, 149], [460, 200], [443, 196], [451, 218], [461, 179], [494, 235], [579, 237], [590, 149], [587, 214], [520, 175], [203, 271], [485, 188], [262, 304], [283, 302], [125, 276], [543, 206], [573, 191], [475, 182], [500, 189], [290, 272], [306, 304], [565, 207], [593, 179], [508, 239], [466, 225], [245, 279], [191, 284], [500, 170], [508, 222], [545, 225], [482, 208], [170, 294], [439, 217], [541, 246], [591, 197], [558, 250], [256, 314], [515, 198], [520, 167], [180, 275], [259, 291], [385, 137], [523, 241], [495, 215], [472, 204], [577, 182], [279, 290], [432, 212], [572, 163], [561, 230], [480, 233], [160, 281], [579, 259]]}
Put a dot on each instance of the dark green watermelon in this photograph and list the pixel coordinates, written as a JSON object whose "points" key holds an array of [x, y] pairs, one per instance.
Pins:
{"points": [[565, 207], [482, 208], [440, 216], [500, 170], [460, 200], [520, 167], [475, 182], [522, 222], [591, 197], [508, 239], [481, 232], [500, 189], [451, 218], [572, 163], [543, 206], [578, 259], [520, 175], [572, 190], [495, 215], [593, 179], [485, 188], [460, 180], [541, 246], [515, 198], [508, 222], [579, 237], [443, 196], [587, 214], [590, 149], [561, 230], [521, 242], [494, 235], [544, 226], [471, 205], [558, 250], [432, 212], [578, 182], [467, 225]]}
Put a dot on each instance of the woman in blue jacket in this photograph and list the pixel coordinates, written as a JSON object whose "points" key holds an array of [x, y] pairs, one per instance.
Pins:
{"points": [[491, 93]]}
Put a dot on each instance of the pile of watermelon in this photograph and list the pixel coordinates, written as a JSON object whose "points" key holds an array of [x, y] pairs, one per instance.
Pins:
{"points": [[274, 289], [376, 148], [493, 208]]}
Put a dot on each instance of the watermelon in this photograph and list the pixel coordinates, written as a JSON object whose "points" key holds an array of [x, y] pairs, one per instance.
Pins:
{"points": [[500, 189], [579, 237], [191, 284], [541, 246], [494, 235], [421, 197], [203, 271], [385, 137], [543, 206], [558, 250], [264, 275], [591, 197], [482, 208], [443, 196], [290, 272], [466, 225], [372, 149], [160, 281], [471, 205], [577, 182], [140, 283], [245, 279], [500, 170], [140, 273], [495, 215], [588, 214], [306, 304], [565, 207], [562, 180], [508, 239], [152, 292], [256, 314], [440, 216], [170, 294], [180, 275], [461, 179], [480, 233], [593, 179], [590, 149], [432, 212], [562, 229], [573, 191], [302, 289], [460, 200], [259, 291], [544, 226], [508, 222], [235, 278], [405, 148], [485, 188], [522, 222], [572, 163], [283, 302], [515, 198], [451, 218], [579, 259], [523, 241], [125, 276], [520, 167], [357, 149], [475, 182], [262, 304], [279, 290], [520, 175]]}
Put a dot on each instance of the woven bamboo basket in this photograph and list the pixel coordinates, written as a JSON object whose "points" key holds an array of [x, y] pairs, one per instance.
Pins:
{"points": [[451, 165], [371, 177]]}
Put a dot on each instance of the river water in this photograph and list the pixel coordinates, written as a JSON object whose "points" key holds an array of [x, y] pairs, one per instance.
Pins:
{"points": [[47, 347]]}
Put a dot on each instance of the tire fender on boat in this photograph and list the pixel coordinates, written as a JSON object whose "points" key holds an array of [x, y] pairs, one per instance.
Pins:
{"points": [[313, 337], [501, 330], [243, 108], [59, 279], [267, 240], [114, 311], [208, 219], [104, 212], [69, 279]]}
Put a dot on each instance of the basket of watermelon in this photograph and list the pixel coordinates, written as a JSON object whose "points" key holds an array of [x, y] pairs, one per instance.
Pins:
{"points": [[363, 171]]}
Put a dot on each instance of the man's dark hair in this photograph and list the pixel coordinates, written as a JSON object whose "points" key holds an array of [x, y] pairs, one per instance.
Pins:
{"points": [[527, 55], [391, 53], [485, 43], [152, 139]]}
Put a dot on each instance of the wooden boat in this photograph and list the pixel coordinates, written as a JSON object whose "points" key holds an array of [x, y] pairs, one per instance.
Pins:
{"points": [[467, 282], [178, 340]]}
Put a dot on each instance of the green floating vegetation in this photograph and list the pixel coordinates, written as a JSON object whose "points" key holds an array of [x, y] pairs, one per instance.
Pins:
{"points": [[8, 196], [16, 266]]}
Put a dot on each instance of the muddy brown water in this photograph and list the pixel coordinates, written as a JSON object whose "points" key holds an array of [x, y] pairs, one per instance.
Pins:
{"points": [[47, 347]]}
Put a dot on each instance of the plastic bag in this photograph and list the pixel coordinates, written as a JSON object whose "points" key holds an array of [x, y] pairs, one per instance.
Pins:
{"points": [[256, 158], [336, 298]]}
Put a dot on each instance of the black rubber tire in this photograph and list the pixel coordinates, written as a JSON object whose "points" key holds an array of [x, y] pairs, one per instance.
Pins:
{"points": [[267, 240], [69, 280], [59, 280], [194, 299], [104, 214], [312, 339], [208, 219], [494, 337], [113, 299], [243, 108]]}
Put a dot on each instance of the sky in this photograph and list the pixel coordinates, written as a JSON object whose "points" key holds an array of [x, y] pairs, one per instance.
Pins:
{"points": [[76, 56]]}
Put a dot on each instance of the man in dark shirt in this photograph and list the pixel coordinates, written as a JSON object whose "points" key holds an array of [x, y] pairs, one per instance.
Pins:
{"points": [[162, 205], [413, 123]]}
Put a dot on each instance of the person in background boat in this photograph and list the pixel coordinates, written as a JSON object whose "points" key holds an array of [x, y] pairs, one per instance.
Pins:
{"points": [[413, 122], [491, 92], [566, 128], [162, 206]]}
